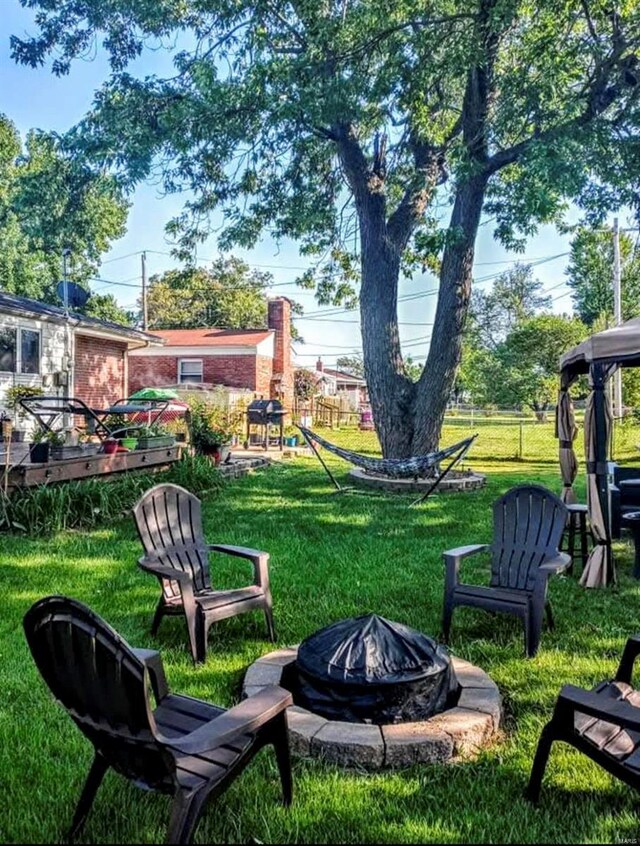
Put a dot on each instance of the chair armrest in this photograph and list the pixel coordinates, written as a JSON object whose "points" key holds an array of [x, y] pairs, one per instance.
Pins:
{"points": [[465, 551], [151, 564], [555, 565], [629, 655], [453, 559], [258, 558], [245, 718], [621, 713], [153, 662]]}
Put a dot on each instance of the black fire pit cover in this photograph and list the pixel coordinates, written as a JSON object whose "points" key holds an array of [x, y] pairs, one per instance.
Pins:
{"points": [[368, 669]]}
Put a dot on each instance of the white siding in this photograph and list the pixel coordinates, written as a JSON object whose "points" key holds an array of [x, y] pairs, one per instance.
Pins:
{"points": [[52, 354]]}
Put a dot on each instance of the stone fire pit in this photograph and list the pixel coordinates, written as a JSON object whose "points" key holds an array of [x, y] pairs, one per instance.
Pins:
{"points": [[455, 480], [455, 733]]}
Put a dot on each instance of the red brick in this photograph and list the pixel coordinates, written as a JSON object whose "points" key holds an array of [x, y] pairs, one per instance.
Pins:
{"points": [[100, 370]]}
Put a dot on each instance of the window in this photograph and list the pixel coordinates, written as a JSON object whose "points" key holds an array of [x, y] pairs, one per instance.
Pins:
{"points": [[30, 351], [8, 344], [19, 350], [189, 370]]}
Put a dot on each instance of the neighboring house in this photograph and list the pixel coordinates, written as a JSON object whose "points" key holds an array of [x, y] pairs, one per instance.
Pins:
{"points": [[255, 359], [70, 355], [334, 382]]}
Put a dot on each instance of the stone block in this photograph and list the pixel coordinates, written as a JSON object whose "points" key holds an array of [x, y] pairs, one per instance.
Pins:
{"points": [[262, 674], [469, 675], [281, 657], [350, 744], [303, 727], [486, 700], [469, 730], [415, 743]]}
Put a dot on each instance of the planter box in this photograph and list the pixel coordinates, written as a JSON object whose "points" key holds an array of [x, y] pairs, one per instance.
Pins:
{"points": [[156, 442], [39, 453], [59, 453]]}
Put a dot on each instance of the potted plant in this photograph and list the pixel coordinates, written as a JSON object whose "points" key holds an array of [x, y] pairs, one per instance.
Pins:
{"points": [[12, 401], [211, 434], [129, 443], [154, 437], [39, 447]]}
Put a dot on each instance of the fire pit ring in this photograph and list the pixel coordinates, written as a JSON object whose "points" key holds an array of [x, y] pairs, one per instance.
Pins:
{"points": [[454, 734]]}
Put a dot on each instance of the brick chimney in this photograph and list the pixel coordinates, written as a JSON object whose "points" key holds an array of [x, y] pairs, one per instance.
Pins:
{"points": [[319, 365], [279, 319]]}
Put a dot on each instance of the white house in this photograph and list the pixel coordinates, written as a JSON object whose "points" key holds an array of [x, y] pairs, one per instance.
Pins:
{"points": [[66, 355]]}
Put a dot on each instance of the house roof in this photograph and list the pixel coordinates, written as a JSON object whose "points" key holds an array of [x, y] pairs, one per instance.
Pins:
{"points": [[12, 304], [213, 337], [343, 376]]}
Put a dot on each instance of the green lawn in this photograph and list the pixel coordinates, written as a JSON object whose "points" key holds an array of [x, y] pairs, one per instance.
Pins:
{"points": [[331, 557]]}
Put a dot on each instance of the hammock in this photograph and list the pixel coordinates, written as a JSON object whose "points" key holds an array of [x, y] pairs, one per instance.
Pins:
{"points": [[418, 466]]}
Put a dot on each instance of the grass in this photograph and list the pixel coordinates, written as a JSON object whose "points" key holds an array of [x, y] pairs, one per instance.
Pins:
{"points": [[331, 557], [502, 441]]}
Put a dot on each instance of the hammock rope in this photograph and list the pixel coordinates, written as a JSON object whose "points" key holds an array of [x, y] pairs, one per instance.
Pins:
{"points": [[416, 467]]}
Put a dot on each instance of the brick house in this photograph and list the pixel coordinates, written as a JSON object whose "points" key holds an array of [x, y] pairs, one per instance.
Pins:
{"points": [[65, 355], [255, 359], [333, 382]]}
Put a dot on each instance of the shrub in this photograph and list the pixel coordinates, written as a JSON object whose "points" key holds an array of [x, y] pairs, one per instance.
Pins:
{"points": [[88, 503]]}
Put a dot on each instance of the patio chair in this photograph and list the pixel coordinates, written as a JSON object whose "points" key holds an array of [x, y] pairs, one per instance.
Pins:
{"points": [[528, 525], [184, 747], [603, 723], [169, 521]]}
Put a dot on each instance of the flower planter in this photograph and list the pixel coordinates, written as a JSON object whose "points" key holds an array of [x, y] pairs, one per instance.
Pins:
{"points": [[291, 441], [129, 443], [156, 442], [39, 453], [110, 447], [59, 453]]}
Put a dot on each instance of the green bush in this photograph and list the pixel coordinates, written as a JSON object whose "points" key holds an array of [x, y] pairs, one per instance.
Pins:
{"points": [[85, 504]]}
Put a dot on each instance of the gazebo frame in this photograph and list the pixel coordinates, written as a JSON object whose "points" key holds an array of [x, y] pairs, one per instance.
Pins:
{"points": [[598, 357]]}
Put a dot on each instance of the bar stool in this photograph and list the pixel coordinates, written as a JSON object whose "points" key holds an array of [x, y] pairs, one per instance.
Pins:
{"points": [[577, 523]]}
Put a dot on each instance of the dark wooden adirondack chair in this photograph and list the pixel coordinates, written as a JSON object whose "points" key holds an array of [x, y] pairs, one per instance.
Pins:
{"points": [[169, 521], [604, 723], [528, 525], [183, 746]]}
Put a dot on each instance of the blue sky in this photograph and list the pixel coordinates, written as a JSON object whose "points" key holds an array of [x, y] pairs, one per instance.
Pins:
{"points": [[35, 98]]}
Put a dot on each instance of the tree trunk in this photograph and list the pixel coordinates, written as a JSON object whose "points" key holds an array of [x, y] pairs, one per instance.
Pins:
{"points": [[408, 417], [390, 391], [433, 390]]}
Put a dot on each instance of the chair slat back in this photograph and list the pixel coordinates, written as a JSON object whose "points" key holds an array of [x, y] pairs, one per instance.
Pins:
{"points": [[95, 675], [169, 521], [528, 524]]}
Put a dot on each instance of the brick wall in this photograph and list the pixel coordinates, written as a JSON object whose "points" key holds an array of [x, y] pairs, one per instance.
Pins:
{"points": [[235, 371], [100, 370]]}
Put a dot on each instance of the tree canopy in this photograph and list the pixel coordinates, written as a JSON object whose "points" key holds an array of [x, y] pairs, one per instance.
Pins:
{"points": [[349, 125], [50, 200], [590, 275], [228, 294]]}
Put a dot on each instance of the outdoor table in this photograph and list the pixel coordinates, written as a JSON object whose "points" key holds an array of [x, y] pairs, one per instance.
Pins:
{"points": [[631, 520]]}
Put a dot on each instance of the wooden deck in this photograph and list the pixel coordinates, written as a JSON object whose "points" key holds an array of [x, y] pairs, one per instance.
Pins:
{"points": [[27, 474]]}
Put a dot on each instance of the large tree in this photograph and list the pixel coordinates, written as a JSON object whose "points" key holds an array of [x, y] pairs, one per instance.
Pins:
{"points": [[515, 295], [590, 275], [49, 201], [522, 370], [227, 294], [347, 124]]}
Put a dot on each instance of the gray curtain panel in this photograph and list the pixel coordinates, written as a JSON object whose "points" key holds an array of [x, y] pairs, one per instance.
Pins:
{"points": [[566, 431]]}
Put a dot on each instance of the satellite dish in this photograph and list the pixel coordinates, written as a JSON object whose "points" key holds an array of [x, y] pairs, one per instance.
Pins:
{"points": [[77, 296]]}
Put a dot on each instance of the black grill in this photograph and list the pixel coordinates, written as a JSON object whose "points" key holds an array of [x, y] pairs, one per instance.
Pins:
{"points": [[264, 411]]}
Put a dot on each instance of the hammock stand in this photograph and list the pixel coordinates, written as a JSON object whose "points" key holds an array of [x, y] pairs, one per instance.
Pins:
{"points": [[393, 468]]}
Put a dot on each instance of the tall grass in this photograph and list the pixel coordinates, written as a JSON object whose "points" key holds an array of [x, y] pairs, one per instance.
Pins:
{"points": [[50, 508]]}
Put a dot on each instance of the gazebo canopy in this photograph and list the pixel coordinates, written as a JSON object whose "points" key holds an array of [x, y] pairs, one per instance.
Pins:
{"points": [[619, 345]]}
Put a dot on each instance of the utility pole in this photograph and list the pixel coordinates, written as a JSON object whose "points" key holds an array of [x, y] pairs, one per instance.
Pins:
{"points": [[143, 258], [617, 313]]}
